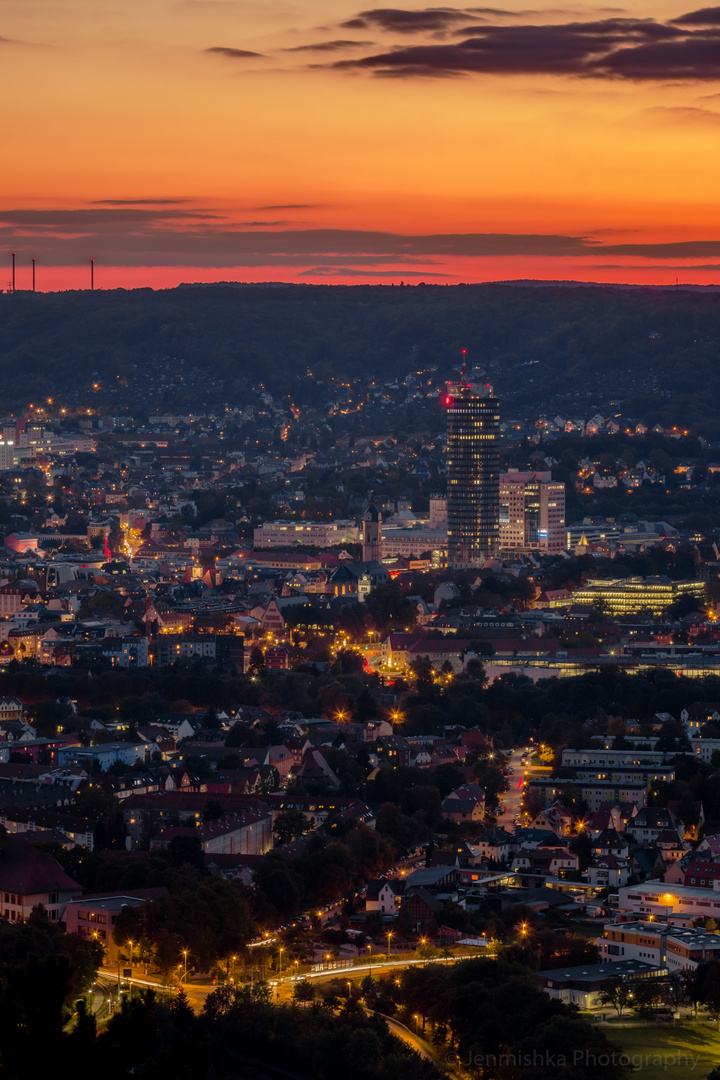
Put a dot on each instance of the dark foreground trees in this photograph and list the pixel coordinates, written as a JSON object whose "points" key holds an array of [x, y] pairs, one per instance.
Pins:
{"points": [[239, 1033], [496, 1021]]}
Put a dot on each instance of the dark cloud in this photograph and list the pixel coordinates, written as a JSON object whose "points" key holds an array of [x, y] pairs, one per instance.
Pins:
{"points": [[628, 48], [142, 238], [138, 202], [693, 58], [135, 237], [348, 271], [291, 206], [234, 54], [683, 114], [703, 17], [406, 22], [499, 13], [330, 46], [682, 249], [682, 268], [88, 220]]}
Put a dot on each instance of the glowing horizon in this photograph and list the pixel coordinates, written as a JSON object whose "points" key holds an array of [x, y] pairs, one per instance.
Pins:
{"points": [[199, 140]]}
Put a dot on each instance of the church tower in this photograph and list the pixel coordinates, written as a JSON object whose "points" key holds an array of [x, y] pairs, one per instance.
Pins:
{"points": [[371, 533]]}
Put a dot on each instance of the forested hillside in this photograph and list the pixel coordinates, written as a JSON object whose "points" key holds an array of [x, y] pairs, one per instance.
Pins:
{"points": [[654, 352]]}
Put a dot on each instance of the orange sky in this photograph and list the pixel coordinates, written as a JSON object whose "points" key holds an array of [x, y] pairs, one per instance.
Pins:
{"points": [[320, 141]]}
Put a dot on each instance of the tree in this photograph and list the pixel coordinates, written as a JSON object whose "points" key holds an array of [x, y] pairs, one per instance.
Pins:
{"points": [[32, 1016], [389, 606], [475, 670], [448, 777], [673, 991], [304, 991], [275, 881], [617, 993], [257, 661], [186, 850], [423, 672], [213, 810], [241, 735], [289, 825], [706, 987], [423, 799], [647, 993]]}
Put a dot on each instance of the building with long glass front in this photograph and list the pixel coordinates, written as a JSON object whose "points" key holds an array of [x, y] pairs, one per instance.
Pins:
{"points": [[473, 472]]}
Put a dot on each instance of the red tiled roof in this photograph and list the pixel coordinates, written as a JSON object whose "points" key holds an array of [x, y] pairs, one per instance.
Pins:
{"points": [[25, 870]]}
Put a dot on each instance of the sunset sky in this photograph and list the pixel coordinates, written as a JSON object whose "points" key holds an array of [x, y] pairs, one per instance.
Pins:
{"points": [[321, 141]]}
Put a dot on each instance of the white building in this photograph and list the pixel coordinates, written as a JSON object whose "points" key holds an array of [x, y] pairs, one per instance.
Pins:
{"points": [[677, 905], [289, 534], [532, 512]]}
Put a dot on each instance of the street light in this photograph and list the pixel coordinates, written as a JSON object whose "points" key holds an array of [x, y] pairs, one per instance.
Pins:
{"points": [[280, 952], [370, 957], [389, 936], [185, 952]]}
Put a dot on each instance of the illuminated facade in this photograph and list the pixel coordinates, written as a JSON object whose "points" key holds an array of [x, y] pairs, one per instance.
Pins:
{"points": [[532, 512], [627, 595], [473, 472]]}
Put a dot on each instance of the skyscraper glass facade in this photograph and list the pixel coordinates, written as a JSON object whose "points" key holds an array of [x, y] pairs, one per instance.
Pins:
{"points": [[473, 472]]}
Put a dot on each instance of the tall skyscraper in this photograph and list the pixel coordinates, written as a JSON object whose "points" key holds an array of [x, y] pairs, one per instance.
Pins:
{"points": [[473, 471]]}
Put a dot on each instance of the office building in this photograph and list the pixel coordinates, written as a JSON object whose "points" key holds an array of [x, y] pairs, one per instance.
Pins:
{"points": [[473, 472], [627, 595], [677, 905], [532, 512], [290, 534]]}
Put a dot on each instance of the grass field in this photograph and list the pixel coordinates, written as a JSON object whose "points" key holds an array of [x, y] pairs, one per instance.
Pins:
{"points": [[669, 1053]]}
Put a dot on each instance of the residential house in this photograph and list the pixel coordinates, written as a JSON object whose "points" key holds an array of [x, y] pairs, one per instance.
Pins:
{"points": [[650, 821], [29, 878], [495, 844], [382, 895], [464, 804], [608, 872]]}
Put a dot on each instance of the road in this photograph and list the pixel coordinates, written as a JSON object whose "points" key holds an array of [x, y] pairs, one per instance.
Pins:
{"points": [[282, 988], [196, 993], [513, 800], [408, 1036]]}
